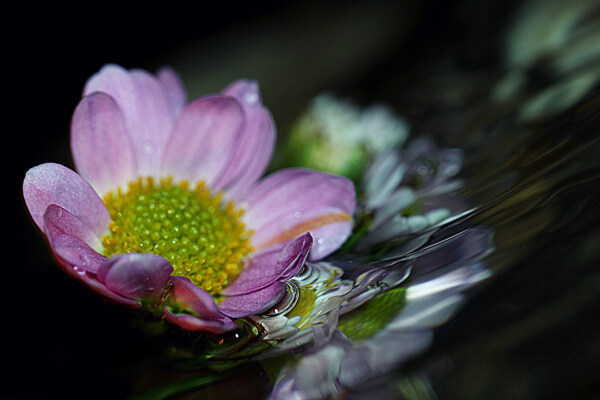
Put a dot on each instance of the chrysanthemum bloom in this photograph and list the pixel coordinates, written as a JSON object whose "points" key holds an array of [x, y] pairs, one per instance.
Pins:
{"points": [[166, 208]]}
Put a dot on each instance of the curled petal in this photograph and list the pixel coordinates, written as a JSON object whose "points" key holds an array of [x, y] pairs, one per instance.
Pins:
{"points": [[193, 323], [257, 140], [74, 255], [136, 276], [204, 139], [207, 315], [58, 221], [72, 240], [291, 202], [52, 183], [254, 302], [272, 266], [77, 253], [102, 151], [79, 261]]}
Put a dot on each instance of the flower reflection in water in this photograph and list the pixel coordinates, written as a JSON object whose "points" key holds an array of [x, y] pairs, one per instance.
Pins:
{"points": [[388, 317], [405, 271]]}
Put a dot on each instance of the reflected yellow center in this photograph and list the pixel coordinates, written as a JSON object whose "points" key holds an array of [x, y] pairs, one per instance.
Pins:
{"points": [[204, 239]]}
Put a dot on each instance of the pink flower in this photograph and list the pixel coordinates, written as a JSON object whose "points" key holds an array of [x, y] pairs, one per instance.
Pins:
{"points": [[222, 233]]}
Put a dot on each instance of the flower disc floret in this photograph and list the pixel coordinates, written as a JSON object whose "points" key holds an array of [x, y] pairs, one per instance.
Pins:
{"points": [[202, 238]]}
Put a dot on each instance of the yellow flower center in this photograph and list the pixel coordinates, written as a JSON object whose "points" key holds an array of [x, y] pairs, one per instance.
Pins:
{"points": [[202, 238]]}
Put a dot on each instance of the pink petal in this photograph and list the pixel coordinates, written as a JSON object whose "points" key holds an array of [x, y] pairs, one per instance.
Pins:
{"points": [[74, 255], [71, 239], [79, 261], [301, 187], [102, 151], [174, 87], [146, 107], [328, 226], [199, 302], [52, 183], [254, 302], [136, 276], [272, 266], [257, 141], [204, 139], [59, 221], [91, 281], [291, 202], [193, 323]]}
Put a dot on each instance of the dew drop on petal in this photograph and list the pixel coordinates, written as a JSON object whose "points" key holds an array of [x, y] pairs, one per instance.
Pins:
{"points": [[148, 148], [251, 98]]}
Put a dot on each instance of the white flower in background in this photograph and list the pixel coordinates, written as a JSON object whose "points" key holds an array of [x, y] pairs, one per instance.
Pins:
{"points": [[336, 135], [409, 191]]}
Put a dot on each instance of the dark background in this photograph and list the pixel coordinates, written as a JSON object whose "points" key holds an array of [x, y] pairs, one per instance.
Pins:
{"points": [[60, 340]]}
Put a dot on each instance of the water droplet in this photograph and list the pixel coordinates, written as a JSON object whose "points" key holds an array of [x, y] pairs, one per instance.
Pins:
{"points": [[297, 214], [288, 301], [320, 241], [148, 148], [251, 98]]}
